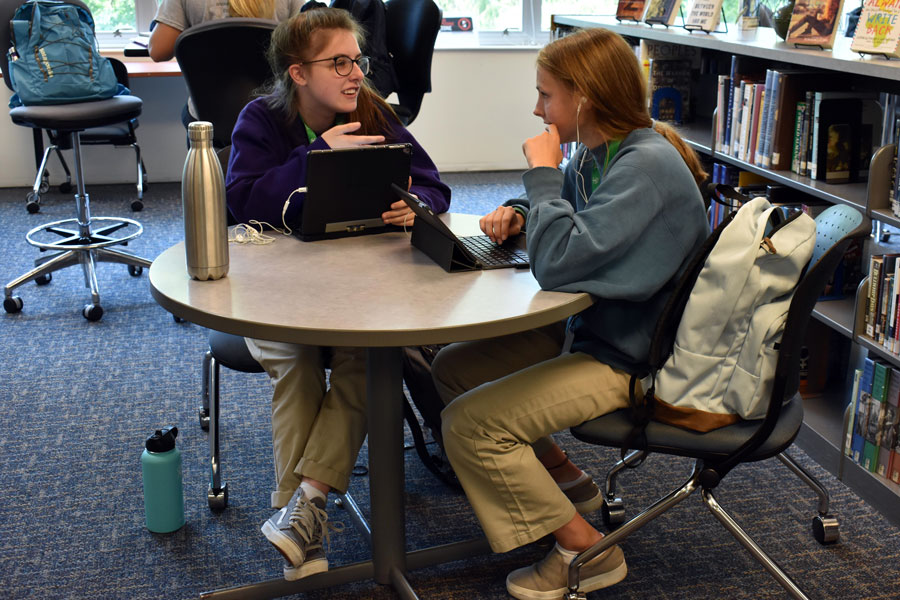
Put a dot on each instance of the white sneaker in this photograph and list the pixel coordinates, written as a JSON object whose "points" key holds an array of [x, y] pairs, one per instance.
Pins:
{"points": [[548, 579]]}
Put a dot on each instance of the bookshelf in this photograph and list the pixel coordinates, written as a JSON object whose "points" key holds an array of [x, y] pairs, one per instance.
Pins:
{"points": [[822, 433]]}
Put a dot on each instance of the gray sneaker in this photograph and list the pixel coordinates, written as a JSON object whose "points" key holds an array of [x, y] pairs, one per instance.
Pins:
{"points": [[548, 579], [298, 528], [585, 495], [316, 562]]}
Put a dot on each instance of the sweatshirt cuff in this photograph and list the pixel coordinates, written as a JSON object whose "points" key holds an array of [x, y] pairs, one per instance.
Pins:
{"points": [[543, 183]]}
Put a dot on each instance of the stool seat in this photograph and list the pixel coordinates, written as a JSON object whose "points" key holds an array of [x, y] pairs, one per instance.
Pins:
{"points": [[231, 350], [78, 116]]}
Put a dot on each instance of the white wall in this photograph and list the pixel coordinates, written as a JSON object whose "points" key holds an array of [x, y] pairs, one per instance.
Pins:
{"points": [[476, 118]]}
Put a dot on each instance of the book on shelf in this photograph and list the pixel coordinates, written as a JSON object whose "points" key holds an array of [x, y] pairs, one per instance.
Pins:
{"points": [[765, 118], [889, 420], [703, 15], [814, 22], [746, 117], [880, 383], [877, 30], [759, 99], [630, 10], [722, 89], [661, 12], [670, 89], [836, 139], [875, 264], [851, 414], [806, 134], [792, 86], [862, 411], [798, 160]]}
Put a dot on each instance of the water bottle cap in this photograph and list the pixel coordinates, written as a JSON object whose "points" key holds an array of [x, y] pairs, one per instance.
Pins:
{"points": [[200, 130], [162, 440]]}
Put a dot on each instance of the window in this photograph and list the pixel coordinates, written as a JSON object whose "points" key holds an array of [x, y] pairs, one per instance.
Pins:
{"points": [[520, 21], [117, 21]]}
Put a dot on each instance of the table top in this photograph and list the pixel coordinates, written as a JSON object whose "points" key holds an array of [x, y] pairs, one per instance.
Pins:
{"points": [[371, 290]]}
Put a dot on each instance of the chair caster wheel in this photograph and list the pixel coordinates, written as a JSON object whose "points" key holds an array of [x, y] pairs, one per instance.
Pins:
{"points": [[217, 499], [44, 279], [92, 312], [33, 202], [613, 512], [12, 304], [203, 417], [65, 188], [825, 529], [45, 186], [137, 206], [135, 270]]}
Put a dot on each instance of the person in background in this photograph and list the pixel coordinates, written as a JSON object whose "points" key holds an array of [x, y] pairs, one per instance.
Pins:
{"points": [[320, 99], [174, 16], [620, 223]]}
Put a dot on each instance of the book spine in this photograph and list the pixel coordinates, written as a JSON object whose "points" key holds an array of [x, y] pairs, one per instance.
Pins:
{"points": [[724, 82], [758, 112], [875, 263], [814, 156], [736, 118], [848, 434], [772, 121], [764, 118], [799, 114], [773, 152], [746, 118]]}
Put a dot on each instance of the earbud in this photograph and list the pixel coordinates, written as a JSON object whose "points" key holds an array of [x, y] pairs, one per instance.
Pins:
{"points": [[582, 101]]}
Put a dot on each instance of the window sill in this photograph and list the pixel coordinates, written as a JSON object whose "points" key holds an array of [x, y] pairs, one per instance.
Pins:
{"points": [[489, 40]]}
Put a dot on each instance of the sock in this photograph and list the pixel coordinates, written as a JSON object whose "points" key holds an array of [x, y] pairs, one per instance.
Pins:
{"points": [[570, 484], [567, 554], [313, 492]]}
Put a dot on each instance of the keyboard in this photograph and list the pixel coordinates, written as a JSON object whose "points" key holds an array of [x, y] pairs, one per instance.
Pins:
{"points": [[492, 255]]}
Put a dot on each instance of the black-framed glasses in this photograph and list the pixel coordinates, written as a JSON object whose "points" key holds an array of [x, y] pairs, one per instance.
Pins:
{"points": [[343, 65]]}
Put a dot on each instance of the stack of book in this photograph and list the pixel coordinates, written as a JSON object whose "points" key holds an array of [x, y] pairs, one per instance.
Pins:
{"points": [[871, 438], [790, 119], [882, 325]]}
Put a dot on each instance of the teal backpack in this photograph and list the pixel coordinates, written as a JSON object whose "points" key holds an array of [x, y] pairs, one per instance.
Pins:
{"points": [[54, 57]]}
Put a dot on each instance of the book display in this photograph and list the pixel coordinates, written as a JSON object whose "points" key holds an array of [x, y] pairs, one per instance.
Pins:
{"points": [[630, 10], [703, 15], [814, 23], [662, 12], [753, 108], [878, 30]]}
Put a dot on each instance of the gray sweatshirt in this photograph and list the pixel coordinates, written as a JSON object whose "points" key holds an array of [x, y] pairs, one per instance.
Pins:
{"points": [[625, 245]]}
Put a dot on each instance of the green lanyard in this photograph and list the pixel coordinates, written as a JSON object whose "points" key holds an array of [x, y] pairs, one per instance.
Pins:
{"points": [[611, 150], [312, 134]]}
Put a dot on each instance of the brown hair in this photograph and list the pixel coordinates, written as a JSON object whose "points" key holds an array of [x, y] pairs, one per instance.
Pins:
{"points": [[600, 65], [298, 39]]}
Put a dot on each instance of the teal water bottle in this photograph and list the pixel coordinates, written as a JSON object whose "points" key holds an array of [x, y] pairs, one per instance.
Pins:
{"points": [[163, 493]]}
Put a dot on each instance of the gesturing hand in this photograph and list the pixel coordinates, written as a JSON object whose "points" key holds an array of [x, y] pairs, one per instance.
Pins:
{"points": [[501, 224], [339, 136]]}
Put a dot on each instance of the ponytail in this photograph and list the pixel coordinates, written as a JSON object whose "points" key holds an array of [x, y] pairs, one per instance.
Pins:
{"points": [[687, 153]]}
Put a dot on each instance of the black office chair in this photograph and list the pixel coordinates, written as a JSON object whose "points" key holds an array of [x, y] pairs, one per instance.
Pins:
{"points": [[118, 134], [75, 241], [412, 29], [719, 451], [224, 63]]}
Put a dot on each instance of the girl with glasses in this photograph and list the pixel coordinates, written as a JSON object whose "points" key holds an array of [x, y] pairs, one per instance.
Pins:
{"points": [[320, 99], [620, 222]]}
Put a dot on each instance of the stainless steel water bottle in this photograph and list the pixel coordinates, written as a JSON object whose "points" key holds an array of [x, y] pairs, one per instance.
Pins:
{"points": [[203, 202], [161, 473]]}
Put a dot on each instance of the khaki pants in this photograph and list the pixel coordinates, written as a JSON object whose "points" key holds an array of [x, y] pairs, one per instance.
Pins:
{"points": [[520, 390], [317, 429]]}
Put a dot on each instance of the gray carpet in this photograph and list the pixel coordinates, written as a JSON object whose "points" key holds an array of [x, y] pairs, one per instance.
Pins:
{"points": [[77, 400]]}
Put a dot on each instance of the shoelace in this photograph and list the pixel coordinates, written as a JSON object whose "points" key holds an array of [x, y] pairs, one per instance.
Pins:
{"points": [[311, 522]]}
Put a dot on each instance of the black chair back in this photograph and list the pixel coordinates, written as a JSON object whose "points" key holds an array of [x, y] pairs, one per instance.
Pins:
{"points": [[7, 10], [412, 28], [224, 64]]}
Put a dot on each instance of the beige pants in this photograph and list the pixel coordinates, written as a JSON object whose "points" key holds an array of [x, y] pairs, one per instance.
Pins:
{"points": [[317, 428], [520, 390]]}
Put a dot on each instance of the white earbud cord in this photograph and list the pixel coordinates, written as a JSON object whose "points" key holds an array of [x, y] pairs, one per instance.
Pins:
{"points": [[247, 233]]}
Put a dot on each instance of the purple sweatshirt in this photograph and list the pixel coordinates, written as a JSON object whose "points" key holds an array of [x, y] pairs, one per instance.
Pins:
{"points": [[268, 162]]}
